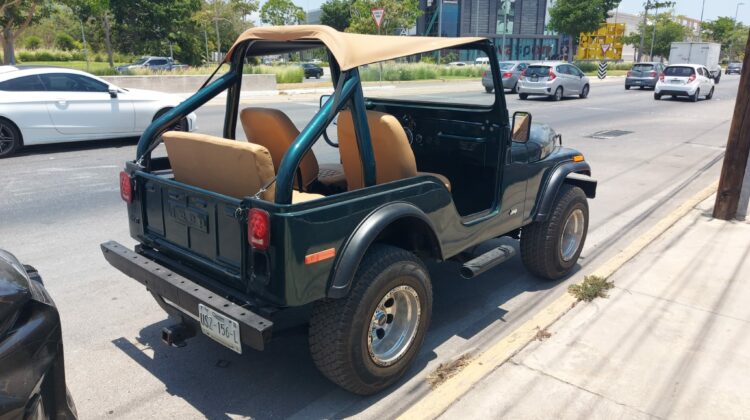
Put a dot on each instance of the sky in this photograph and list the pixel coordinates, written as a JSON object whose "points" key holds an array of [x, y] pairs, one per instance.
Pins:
{"points": [[689, 8]]}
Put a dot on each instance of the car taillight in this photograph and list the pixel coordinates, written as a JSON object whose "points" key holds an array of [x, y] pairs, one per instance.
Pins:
{"points": [[552, 75], [523, 74], [126, 187], [661, 77], [691, 78], [507, 75], [653, 73], [630, 73], [258, 228], [484, 74]]}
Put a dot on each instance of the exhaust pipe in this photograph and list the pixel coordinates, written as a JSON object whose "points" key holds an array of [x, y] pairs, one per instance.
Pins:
{"points": [[486, 261], [175, 335]]}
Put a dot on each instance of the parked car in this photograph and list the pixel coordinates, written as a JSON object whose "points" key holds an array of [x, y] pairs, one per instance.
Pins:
{"points": [[149, 62], [312, 70], [32, 365], [734, 68], [644, 75], [510, 71], [257, 234], [41, 105], [554, 80], [457, 64], [482, 61], [691, 80]]}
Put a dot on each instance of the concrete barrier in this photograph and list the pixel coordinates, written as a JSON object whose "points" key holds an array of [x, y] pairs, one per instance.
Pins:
{"points": [[187, 84]]}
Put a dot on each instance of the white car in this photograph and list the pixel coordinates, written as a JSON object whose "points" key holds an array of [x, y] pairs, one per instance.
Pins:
{"points": [[691, 80], [40, 105]]}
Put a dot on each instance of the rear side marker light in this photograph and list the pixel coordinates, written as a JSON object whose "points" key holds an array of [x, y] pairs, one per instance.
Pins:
{"points": [[323, 255], [258, 229], [126, 187]]}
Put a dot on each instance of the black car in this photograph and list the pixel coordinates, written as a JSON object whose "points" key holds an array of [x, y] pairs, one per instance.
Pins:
{"points": [[734, 68], [32, 372], [312, 70]]}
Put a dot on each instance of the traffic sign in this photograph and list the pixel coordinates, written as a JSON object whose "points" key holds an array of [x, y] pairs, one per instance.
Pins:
{"points": [[605, 47], [378, 14], [602, 73]]}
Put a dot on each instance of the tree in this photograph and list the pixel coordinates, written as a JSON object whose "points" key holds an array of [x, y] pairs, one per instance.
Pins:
{"points": [[281, 12], [399, 14], [86, 10], [667, 32], [724, 31], [226, 18], [572, 17], [15, 17], [336, 14]]}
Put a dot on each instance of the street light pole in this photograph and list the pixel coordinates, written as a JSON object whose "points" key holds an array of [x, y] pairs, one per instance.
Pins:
{"points": [[700, 25], [506, 5], [653, 34], [734, 28]]}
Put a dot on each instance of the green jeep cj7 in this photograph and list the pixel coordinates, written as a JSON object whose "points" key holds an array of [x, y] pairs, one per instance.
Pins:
{"points": [[238, 237]]}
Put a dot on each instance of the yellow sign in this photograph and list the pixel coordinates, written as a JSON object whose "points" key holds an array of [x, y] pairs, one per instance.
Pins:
{"points": [[604, 44]]}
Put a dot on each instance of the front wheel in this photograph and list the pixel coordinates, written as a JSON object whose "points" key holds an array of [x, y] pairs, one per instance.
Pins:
{"points": [[550, 249], [584, 92], [10, 138], [365, 341]]}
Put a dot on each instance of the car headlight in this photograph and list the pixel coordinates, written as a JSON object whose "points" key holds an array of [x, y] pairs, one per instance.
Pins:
{"points": [[13, 271]]}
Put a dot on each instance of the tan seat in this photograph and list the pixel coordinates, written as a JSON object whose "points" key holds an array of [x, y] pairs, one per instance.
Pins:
{"points": [[274, 130], [394, 158], [228, 167]]}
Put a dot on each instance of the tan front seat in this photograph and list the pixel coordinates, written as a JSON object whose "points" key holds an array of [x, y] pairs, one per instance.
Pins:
{"points": [[224, 166], [274, 130], [394, 158]]}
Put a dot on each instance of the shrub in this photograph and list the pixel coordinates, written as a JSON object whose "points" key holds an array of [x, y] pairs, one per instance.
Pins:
{"points": [[418, 71], [32, 43], [284, 73], [66, 42], [591, 288]]}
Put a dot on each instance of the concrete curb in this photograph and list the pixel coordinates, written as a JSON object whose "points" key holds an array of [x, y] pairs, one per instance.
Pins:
{"points": [[440, 399]]}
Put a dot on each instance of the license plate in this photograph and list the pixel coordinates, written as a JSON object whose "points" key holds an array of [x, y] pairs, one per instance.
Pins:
{"points": [[220, 327], [637, 82], [676, 82], [534, 78]]}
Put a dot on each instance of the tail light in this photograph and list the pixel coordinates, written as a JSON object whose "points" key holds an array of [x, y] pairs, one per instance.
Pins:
{"points": [[523, 74], [653, 73], [552, 75], [691, 79], [126, 187], [258, 229], [507, 75], [484, 74], [630, 73], [661, 77]]}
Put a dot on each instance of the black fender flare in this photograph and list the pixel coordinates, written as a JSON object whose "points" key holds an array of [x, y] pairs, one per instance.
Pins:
{"points": [[364, 235], [575, 173]]}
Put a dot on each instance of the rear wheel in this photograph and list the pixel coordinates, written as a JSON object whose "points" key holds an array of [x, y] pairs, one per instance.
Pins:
{"points": [[515, 88], [584, 92], [10, 138], [710, 93], [365, 341], [317, 76], [558, 94], [694, 97], [550, 249], [488, 89], [523, 95], [627, 87]]}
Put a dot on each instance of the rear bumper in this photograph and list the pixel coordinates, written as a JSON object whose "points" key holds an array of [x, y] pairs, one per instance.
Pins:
{"points": [[538, 89], [677, 90], [183, 295], [640, 81]]}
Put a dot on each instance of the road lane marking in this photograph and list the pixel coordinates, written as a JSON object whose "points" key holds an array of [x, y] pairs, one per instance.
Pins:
{"points": [[436, 402]]}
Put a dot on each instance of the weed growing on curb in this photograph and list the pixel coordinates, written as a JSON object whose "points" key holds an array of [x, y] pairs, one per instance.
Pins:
{"points": [[447, 370], [542, 334], [591, 288]]}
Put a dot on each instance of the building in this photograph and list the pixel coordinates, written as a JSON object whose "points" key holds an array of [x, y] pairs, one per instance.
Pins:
{"points": [[516, 27], [631, 22]]}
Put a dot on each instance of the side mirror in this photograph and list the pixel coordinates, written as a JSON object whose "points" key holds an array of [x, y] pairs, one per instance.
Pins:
{"points": [[323, 99], [521, 127], [112, 92]]}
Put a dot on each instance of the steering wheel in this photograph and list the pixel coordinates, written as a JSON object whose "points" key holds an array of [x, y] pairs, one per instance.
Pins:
{"points": [[328, 139]]}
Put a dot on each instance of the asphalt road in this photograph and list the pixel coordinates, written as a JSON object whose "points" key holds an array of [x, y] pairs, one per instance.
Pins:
{"points": [[60, 202]]}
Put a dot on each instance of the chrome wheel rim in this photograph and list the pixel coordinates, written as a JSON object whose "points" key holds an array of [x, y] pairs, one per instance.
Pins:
{"points": [[572, 235], [6, 139], [393, 325]]}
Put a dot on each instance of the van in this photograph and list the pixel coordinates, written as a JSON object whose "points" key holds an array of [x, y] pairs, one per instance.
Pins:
{"points": [[482, 61]]}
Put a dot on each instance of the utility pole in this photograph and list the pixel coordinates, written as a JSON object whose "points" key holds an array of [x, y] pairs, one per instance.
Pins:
{"points": [[85, 49], [738, 149], [643, 30], [700, 26], [734, 28], [440, 27]]}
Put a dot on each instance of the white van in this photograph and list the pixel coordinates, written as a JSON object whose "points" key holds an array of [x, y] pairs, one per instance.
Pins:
{"points": [[482, 61]]}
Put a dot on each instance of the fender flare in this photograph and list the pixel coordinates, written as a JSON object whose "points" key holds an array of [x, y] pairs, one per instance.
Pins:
{"points": [[364, 235], [576, 173]]}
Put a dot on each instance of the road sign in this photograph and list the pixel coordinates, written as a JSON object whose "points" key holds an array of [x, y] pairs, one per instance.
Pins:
{"points": [[602, 73], [603, 44], [378, 14]]}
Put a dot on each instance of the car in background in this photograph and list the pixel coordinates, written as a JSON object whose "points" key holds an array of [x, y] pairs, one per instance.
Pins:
{"points": [[150, 63], [32, 367], [510, 72], [644, 75], [312, 70], [41, 105], [691, 80], [457, 64], [733, 68], [554, 80], [482, 61]]}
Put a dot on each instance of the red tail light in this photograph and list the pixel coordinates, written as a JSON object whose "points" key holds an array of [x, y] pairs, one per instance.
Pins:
{"points": [[507, 75], [630, 73], [661, 77], [523, 74], [691, 79], [126, 187], [552, 75], [653, 73], [484, 74], [258, 229]]}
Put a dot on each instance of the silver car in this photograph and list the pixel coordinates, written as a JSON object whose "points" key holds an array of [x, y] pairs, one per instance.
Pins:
{"points": [[554, 80], [510, 71]]}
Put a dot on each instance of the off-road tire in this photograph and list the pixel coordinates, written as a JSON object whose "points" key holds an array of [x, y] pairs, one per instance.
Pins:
{"points": [[523, 95], [488, 89], [558, 95], [339, 327], [540, 241], [696, 96], [584, 92], [11, 138]]}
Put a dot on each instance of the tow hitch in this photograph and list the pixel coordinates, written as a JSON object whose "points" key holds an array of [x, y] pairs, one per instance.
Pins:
{"points": [[175, 335]]}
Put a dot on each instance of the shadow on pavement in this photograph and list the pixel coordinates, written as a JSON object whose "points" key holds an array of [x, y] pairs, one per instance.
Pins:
{"points": [[43, 149]]}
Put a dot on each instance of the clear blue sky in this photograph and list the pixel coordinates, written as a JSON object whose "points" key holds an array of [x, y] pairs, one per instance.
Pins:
{"points": [[690, 8]]}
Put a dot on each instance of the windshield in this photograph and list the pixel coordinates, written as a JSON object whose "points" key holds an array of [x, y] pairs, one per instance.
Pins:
{"points": [[540, 71], [506, 66], [141, 61], [643, 67], [679, 71]]}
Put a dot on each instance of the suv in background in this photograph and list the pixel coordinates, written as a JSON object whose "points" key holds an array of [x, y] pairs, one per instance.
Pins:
{"points": [[151, 63], [312, 70], [553, 79], [734, 68], [644, 75]]}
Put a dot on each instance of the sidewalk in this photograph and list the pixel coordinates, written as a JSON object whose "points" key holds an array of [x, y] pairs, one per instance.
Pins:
{"points": [[671, 341]]}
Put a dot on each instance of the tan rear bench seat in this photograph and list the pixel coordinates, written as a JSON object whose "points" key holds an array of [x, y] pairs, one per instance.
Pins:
{"points": [[228, 167]]}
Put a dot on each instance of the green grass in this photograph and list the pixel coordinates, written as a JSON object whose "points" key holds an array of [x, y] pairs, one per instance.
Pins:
{"points": [[609, 73], [591, 288], [418, 71]]}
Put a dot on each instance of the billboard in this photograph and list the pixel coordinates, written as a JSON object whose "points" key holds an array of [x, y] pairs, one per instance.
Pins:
{"points": [[604, 44]]}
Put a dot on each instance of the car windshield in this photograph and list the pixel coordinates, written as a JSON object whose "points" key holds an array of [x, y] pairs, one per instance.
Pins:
{"points": [[541, 71], [643, 67], [679, 71], [506, 66], [141, 61]]}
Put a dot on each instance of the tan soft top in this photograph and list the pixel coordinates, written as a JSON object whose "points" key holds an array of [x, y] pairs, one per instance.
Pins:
{"points": [[350, 50]]}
